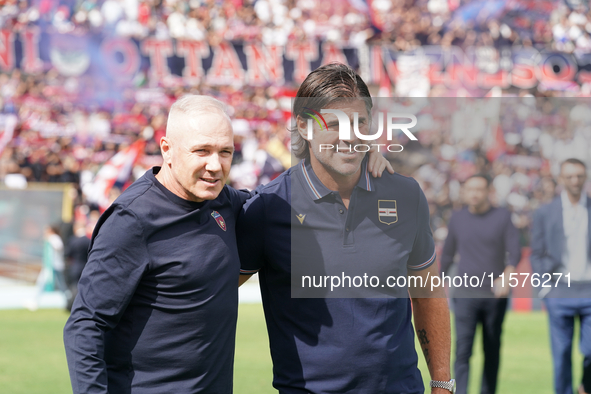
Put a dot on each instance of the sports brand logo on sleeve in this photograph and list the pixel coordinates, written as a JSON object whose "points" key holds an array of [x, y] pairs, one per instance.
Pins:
{"points": [[219, 219], [387, 212]]}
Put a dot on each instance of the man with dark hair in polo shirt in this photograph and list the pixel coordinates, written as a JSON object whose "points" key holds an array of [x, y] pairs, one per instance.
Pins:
{"points": [[327, 210]]}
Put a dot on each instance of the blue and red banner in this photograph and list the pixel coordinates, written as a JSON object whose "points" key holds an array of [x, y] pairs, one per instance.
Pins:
{"points": [[120, 59]]}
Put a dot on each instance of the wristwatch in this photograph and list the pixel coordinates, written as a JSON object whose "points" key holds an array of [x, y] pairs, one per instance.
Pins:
{"points": [[450, 386]]}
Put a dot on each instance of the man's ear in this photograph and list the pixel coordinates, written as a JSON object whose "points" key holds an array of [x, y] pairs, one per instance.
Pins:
{"points": [[302, 125], [166, 150]]}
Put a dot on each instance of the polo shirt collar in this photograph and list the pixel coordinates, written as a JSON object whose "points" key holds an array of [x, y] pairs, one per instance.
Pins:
{"points": [[317, 190]]}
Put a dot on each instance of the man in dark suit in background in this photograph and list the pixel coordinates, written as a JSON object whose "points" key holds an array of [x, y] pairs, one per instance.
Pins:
{"points": [[561, 252], [76, 254]]}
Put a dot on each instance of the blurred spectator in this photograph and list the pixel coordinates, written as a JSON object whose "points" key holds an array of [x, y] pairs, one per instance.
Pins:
{"points": [[77, 252], [53, 272]]}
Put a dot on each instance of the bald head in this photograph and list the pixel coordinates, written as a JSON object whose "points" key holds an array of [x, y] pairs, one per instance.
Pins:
{"points": [[186, 113], [197, 149]]}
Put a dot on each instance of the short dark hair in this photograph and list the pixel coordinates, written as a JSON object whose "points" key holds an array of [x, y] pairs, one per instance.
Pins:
{"points": [[55, 228], [322, 87], [572, 160], [482, 175]]}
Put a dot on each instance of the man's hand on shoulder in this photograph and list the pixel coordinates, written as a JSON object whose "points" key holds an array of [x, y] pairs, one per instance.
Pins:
{"points": [[377, 163]]}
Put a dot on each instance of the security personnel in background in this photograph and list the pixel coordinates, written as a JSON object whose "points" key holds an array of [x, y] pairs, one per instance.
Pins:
{"points": [[329, 211]]}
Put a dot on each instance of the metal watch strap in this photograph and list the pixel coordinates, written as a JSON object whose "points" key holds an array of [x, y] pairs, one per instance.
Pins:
{"points": [[450, 385]]}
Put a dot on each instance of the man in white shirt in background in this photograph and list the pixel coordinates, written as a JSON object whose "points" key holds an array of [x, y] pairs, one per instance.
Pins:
{"points": [[561, 256]]}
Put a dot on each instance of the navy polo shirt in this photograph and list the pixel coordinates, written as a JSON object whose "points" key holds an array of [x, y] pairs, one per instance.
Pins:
{"points": [[157, 304], [334, 345]]}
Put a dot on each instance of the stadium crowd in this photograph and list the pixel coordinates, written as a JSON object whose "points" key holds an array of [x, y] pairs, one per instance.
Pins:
{"points": [[406, 23], [58, 138]]}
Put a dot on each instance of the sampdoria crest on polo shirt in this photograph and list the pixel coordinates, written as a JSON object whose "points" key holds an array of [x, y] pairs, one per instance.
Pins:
{"points": [[387, 212], [219, 219]]}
